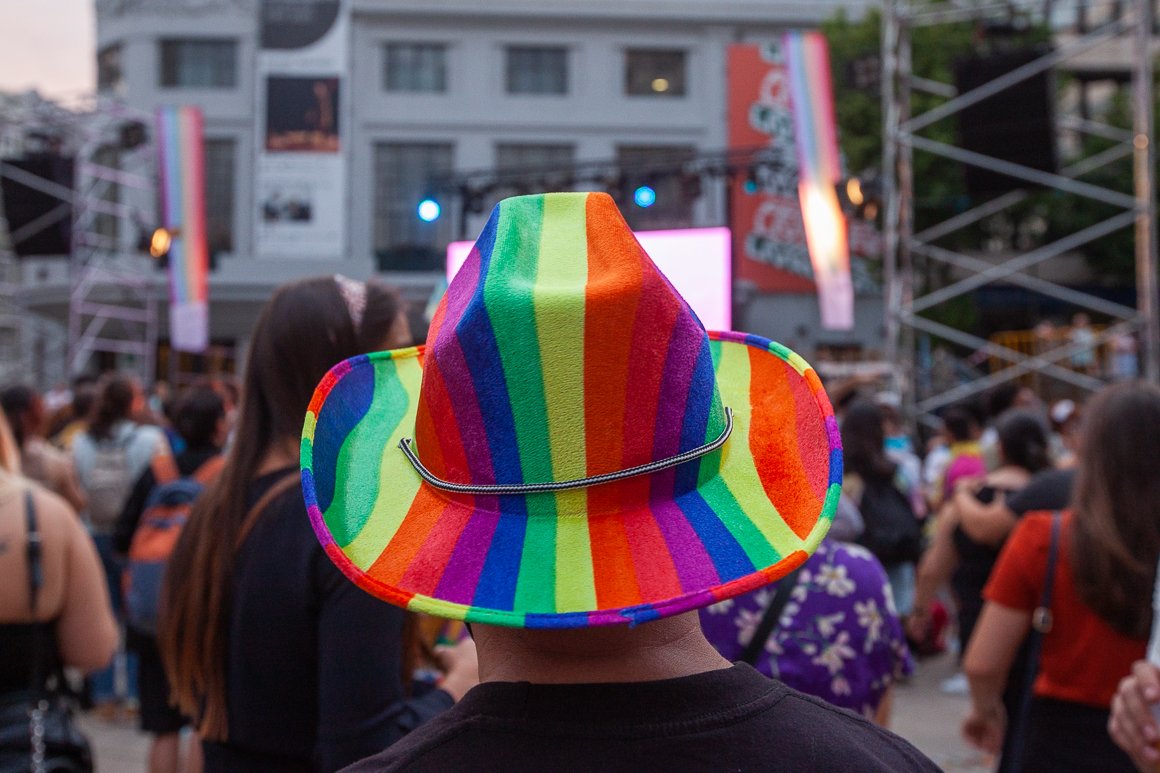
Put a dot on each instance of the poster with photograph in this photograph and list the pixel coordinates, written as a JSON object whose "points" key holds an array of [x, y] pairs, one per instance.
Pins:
{"points": [[302, 115], [301, 167]]}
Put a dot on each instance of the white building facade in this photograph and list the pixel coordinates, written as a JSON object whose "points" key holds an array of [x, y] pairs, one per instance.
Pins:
{"points": [[433, 88]]}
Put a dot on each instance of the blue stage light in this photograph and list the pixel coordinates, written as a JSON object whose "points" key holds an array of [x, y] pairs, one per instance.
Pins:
{"points": [[644, 196], [429, 210]]}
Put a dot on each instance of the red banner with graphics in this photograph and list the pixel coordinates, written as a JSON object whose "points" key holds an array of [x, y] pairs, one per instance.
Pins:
{"points": [[769, 239]]}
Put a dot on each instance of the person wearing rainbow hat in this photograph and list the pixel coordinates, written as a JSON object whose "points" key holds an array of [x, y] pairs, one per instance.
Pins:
{"points": [[573, 466]]}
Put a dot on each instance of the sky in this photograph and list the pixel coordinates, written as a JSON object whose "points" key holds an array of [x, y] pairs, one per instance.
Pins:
{"points": [[47, 45]]}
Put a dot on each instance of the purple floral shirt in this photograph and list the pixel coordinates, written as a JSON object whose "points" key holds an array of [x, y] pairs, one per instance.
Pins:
{"points": [[839, 637]]}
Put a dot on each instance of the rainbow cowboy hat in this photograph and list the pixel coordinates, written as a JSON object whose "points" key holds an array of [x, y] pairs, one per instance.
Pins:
{"points": [[570, 448]]}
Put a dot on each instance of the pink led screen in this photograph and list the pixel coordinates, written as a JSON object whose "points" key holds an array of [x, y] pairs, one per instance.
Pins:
{"points": [[695, 260]]}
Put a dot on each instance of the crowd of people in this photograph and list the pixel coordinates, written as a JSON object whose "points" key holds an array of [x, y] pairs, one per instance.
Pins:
{"points": [[192, 553]]}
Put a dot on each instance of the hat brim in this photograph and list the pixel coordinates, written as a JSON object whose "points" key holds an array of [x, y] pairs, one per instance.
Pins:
{"points": [[470, 558]]}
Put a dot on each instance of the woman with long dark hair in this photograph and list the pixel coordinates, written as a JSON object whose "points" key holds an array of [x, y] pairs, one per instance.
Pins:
{"points": [[1107, 550], [263, 638], [874, 487]]}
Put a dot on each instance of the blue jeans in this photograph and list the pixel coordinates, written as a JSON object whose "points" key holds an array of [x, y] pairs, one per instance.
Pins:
{"points": [[902, 586], [105, 684]]}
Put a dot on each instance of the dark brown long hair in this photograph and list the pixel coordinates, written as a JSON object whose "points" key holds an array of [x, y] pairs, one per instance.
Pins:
{"points": [[1115, 537], [303, 330], [114, 402], [863, 436]]}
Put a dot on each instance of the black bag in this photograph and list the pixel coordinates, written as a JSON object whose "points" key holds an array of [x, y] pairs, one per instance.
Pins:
{"points": [[65, 748], [38, 732], [892, 533]]}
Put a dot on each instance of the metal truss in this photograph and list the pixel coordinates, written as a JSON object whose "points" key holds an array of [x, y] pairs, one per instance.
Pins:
{"points": [[1130, 22], [112, 302]]}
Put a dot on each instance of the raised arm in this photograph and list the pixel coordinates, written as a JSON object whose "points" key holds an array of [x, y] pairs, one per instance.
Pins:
{"points": [[986, 524]]}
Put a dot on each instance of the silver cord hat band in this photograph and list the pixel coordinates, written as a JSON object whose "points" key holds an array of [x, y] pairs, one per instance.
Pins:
{"points": [[565, 485]]}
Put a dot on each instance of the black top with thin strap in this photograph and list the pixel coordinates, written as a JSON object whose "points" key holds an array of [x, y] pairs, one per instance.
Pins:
{"points": [[20, 642]]}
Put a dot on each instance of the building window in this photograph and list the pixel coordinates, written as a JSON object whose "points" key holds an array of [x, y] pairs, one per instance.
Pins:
{"points": [[199, 63], [415, 67], [654, 73], [220, 179], [403, 172], [541, 167], [537, 70], [110, 72], [658, 167], [533, 157]]}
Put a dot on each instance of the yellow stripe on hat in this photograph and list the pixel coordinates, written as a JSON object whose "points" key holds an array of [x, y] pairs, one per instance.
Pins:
{"points": [[563, 266]]}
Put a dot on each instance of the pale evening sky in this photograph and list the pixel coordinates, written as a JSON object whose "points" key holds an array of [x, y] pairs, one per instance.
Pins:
{"points": [[47, 45]]}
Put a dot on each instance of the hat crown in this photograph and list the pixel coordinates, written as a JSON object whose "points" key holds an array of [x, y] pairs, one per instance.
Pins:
{"points": [[560, 351]]}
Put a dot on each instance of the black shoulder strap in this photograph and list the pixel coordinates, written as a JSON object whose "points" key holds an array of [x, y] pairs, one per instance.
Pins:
{"points": [[769, 618], [35, 564], [1041, 622], [1042, 619]]}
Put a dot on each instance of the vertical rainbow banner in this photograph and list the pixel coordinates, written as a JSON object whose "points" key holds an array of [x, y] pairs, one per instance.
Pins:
{"points": [[820, 170], [182, 171]]}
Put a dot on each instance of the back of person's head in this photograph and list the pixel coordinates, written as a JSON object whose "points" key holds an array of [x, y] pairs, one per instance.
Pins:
{"points": [[114, 401], [1000, 399], [960, 423], [1023, 440], [197, 416], [1116, 537], [1065, 416], [82, 400], [888, 406], [228, 387], [18, 401], [863, 439], [303, 330]]}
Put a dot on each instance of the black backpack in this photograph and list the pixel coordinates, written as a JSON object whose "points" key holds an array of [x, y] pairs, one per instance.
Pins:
{"points": [[892, 532]]}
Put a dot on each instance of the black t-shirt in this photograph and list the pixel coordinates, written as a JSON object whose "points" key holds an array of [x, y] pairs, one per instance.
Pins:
{"points": [[1049, 490], [732, 719], [313, 666]]}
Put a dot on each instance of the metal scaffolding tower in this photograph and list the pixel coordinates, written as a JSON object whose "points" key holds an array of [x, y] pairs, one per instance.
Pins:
{"points": [[1077, 28], [32, 346], [111, 298], [112, 304]]}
